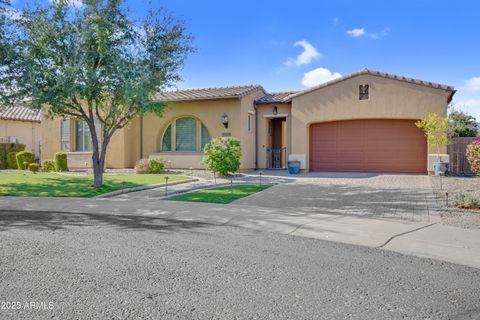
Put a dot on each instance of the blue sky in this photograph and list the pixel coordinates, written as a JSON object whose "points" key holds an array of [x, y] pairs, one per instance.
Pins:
{"points": [[289, 45]]}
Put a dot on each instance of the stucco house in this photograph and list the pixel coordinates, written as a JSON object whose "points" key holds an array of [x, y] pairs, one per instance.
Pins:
{"points": [[361, 122], [21, 125]]}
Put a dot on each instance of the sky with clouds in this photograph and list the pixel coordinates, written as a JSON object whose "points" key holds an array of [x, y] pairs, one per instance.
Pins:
{"points": [[285, 45]]}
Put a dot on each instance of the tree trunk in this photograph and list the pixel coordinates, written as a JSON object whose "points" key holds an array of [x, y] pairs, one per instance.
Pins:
{"points": [[97, 169]]}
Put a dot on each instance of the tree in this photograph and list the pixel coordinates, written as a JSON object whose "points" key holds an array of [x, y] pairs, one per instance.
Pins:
{"points": [[461, 124], [436, 131], [93, 63]]}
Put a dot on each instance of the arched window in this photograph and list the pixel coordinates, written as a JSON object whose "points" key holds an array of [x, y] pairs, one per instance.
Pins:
{"points": [[185, 134]]}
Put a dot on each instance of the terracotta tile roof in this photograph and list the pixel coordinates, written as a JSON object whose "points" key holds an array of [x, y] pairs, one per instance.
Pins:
{"points": [[379, 74], [20, 113], [208, 93], [275, 97]]}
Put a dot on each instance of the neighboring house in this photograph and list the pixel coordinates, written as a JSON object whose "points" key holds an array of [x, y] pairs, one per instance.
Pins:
{"points": [[361, 122], [22, 125]]}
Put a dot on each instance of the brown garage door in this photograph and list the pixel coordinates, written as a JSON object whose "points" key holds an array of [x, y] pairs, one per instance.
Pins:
{"points": [[375, 145]]}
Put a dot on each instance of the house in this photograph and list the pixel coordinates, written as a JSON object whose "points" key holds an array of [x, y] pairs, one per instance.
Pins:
{"points": [[21, 125], [361, 122]]}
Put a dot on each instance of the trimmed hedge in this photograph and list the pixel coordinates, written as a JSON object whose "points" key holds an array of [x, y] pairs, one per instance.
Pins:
{"points": [[48, 165], [12, 161], [150, 166], [156, 166], [61, 162], [33, 167], [6, 148], [24, 157]]}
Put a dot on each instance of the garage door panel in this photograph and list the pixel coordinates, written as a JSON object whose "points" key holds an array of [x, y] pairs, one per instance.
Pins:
{"points": [[376, 145]]}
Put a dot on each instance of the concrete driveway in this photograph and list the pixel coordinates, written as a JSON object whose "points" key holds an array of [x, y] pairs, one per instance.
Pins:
{"points": [[389, 196]]}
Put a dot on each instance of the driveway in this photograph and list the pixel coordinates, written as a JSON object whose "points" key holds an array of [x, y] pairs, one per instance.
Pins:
{"points": [[387, 196]]}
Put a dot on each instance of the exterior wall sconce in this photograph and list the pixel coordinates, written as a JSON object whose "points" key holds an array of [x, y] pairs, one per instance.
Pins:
{"points": [[275, 110], [225, 120]]}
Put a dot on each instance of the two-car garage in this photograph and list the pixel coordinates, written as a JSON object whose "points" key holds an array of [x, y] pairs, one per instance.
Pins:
{"points": [[371, 145]]}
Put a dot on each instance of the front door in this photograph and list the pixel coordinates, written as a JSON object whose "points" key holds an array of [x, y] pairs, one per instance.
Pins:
{"points": [[276, 153]]}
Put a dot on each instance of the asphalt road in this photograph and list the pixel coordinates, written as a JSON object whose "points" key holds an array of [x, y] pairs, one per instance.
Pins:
{"points": [[140, 267]]}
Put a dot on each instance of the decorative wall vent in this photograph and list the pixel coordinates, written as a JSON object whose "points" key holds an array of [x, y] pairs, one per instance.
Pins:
{"points": [[363, 92]]}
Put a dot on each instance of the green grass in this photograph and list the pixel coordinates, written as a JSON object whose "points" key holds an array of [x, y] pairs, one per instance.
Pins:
{"points": [[61, 185], [221, 195]]}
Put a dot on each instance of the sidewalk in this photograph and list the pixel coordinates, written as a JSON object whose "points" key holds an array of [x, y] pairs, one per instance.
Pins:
{"points": [[431, 240]]}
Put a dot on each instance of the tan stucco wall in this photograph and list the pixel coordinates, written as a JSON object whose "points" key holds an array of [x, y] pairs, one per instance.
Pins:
{"points": [[26, 132], [209, 113], [117, 154], [388, 99], [264, 139]]}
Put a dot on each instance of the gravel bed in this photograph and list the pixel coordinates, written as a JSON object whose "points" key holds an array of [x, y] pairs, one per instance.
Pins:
{"points": [[451, 215]]}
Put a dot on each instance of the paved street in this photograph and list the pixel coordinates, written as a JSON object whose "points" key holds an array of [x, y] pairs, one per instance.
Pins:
{"points": [[95, 266]]}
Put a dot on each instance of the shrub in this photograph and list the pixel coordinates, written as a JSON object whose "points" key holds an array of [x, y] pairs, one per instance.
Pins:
{"points": [[24, 158], [12, 160], [48, 165], [142, 167], [61, 162], [473, 156], [466, 201], [156, 166], [5, 149], [223, 155], [33, 167]]}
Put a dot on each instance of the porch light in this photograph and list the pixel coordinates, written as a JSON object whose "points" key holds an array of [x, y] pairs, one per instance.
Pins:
{"points": [[275, 110], [225, 119]]}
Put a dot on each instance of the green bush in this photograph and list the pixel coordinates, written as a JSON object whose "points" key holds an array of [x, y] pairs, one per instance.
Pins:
{"points": [[142, 167], [33, 167], [5, 149], [466, 201], [48, 165], [24, 158], [156, 166], [12, 160], [61, 162], [223, 155]]}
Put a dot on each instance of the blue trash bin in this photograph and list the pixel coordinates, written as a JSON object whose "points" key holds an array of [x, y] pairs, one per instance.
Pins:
{"points": [[294, 167]]}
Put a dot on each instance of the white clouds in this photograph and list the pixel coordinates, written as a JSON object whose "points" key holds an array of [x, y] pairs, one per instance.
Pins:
{"points": [[474, 103], [318, 76], [473, 84], [362, 32], [308, 54], [357, 32]]}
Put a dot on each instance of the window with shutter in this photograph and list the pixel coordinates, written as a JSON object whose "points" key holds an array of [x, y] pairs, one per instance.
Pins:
{"points": [[83, 138], [65, 135], [205, 136], [186, 134], [167, 139]]}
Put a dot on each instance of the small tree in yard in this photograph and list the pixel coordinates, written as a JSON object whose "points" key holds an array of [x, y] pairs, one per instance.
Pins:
{"points": [[473, 156], [92, 63], [462, 124], [223, 155], [436, 131]]}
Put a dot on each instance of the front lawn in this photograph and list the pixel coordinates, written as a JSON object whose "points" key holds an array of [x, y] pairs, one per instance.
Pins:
{"points": [[221, 195], [62, 185]]}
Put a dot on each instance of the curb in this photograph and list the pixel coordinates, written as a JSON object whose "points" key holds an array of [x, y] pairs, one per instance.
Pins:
{"points": [[136, 189]]}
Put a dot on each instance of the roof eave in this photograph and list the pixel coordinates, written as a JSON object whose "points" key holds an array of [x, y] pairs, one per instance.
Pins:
{"points": [[377, 74]]}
